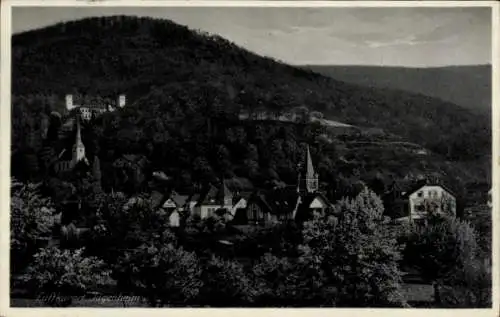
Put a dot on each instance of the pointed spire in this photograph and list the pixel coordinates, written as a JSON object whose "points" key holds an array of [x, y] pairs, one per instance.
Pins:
{"points": [[78, 148], [309, 165], [311, 177]]}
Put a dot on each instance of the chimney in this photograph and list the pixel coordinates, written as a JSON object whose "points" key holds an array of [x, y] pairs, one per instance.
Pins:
{"points": [[69, 103], [121, 101]]}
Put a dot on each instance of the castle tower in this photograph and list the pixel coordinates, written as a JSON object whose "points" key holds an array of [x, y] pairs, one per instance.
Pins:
{"points": [[311, 177], [69, 103], [121, 101], [78, 147]]}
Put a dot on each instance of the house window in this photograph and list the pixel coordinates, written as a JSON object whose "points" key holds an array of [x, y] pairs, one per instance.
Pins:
{"points": [[210, 212], [420, 194]]}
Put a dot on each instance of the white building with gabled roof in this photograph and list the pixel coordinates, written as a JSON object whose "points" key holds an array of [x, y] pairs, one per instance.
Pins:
{"points": [[424, 198]]}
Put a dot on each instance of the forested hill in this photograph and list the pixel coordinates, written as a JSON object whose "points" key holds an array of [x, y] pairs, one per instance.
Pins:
{"points": [[467, 86], [136, 56], [176, 78]]}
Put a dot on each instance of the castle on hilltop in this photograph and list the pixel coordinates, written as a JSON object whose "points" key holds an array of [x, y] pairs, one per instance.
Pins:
{"points": [[90, 109]]}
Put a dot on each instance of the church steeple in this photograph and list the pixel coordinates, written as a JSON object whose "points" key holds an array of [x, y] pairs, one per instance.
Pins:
{"points": [[224, 195], [78, 147], [311, 177]]}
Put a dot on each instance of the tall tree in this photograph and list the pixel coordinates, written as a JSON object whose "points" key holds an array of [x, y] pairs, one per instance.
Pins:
{"points": [[285, 282], [165, 274], [357, 259], [446, 254], [226, 284], [32, 221]]}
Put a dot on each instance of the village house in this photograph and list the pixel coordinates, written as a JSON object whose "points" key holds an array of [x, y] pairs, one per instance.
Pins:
{"points": [[213, 199], [175, 205], [232, 195], [423, 198], [170, 202], [265, 208]]}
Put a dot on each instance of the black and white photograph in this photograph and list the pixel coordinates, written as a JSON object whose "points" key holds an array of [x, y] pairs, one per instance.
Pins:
{"points": [[249, 156]]}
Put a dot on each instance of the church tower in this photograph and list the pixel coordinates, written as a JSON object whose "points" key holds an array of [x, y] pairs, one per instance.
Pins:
{"points": [[69, 103], [310, 179], [78, 147], [121, 101]]}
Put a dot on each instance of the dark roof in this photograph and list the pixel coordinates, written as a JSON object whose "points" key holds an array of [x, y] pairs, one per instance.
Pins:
{"points": [[157, 198], [180, 200], [209, 196], [194, 197], [160, 198], [246, 195], [281, 200], [284, 201], [213, 195], [259, 198]]}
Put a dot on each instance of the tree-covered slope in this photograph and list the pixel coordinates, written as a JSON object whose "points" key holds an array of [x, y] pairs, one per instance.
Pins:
{"points": [[177, 79], [134, 55], [467, 86]]}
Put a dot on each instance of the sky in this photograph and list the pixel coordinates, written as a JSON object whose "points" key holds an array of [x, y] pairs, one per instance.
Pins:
{"points": [[409, 37]]}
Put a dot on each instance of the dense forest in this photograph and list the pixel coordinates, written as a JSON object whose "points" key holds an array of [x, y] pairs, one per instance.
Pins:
{"points": [[184, 90]]}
